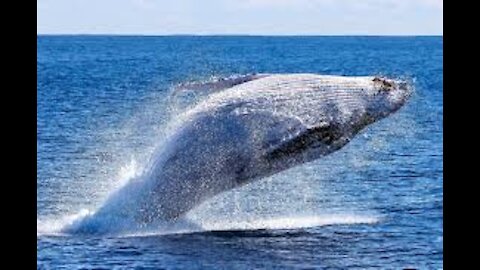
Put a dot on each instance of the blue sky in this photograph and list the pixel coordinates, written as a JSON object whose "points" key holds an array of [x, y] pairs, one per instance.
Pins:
{"points": [[255, 17]]}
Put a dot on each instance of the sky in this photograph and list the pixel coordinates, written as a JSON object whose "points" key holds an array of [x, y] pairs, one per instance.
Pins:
{"points": [[249, 17]]}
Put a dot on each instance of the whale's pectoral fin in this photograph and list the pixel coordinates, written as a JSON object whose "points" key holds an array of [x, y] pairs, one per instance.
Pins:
{"points": [[217, 84], [321, 135]]}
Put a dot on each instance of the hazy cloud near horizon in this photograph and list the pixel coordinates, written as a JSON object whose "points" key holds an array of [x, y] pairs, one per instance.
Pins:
{"points": [[276, 17]]}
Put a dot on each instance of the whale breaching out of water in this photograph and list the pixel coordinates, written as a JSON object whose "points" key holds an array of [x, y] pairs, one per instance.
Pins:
{"points": [[254, 126]]}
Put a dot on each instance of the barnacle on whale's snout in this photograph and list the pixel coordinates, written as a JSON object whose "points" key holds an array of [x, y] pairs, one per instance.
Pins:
{"points": [[384, 84]]}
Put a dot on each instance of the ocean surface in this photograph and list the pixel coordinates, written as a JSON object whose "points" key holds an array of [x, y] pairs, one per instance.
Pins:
{"points": [[102, 109]]}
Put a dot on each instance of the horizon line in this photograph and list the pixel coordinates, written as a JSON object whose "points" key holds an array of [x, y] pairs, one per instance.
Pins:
{"points": [[238, 34]]}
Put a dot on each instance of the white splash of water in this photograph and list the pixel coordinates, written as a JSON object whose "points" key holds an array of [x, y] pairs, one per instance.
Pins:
{"points": [[293, 222], [186, 226], [55, 225], [126, 173]]}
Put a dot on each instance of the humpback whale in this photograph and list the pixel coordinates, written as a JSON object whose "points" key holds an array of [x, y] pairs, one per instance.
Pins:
{"points": [[255, 126]]}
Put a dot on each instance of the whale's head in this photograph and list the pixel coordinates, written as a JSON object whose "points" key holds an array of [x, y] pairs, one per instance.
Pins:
{"points": [[386, 96], [337, 115]]}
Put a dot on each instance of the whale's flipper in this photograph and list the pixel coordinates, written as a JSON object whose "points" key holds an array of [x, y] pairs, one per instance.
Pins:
{"points": [[221, 83]]}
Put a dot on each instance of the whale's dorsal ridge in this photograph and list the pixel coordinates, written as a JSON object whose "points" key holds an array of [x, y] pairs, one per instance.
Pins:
{"points": [[217, 84]]}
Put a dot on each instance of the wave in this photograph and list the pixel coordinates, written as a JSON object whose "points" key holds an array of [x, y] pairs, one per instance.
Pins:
{"points": [[63, 226], [56, 225]]}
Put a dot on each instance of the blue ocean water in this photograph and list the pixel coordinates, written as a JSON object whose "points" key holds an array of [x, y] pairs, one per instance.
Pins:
{"points": [[102, 107]]}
